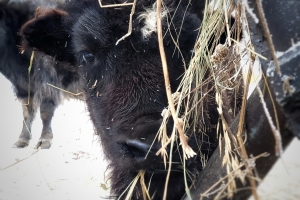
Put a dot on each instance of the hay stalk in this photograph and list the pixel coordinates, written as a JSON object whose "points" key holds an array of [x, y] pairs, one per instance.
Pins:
{"points": [[267, 34], [276, 133], [77, 94], [188, 152]]}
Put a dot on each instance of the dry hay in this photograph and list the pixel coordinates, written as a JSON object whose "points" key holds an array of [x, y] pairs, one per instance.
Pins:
{"points": [[225, 69], [230, 73]]}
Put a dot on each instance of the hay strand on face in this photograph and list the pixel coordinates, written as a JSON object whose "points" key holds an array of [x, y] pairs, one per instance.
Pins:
{"points": [[130, 187], [188, 151], [145, 191], [114, 5], [130, 16], [77, 94], [130, 23]]}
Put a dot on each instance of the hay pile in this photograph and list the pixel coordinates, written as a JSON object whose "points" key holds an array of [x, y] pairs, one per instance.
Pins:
{"points": [[230, 70]]}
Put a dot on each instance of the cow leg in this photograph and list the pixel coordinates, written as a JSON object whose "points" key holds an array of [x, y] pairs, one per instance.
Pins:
{"points": [[47, 109], [29, 111]]}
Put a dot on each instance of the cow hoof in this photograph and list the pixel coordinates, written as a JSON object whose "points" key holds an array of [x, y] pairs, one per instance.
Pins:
{"points": [[43, 144], [21, 144]]}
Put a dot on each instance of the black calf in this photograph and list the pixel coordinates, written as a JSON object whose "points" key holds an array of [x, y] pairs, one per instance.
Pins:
{"points": [[124, 83], [32, 91]]}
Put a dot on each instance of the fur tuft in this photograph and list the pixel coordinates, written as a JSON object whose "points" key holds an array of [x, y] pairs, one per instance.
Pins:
{"points": [[149, 18]]}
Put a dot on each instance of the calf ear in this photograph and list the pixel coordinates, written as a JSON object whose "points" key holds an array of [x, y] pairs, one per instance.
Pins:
{"points": [[48, 33]]}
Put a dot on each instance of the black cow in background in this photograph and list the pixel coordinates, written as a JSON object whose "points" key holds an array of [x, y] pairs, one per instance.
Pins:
{"points": [[33, 92], [124, 83]]}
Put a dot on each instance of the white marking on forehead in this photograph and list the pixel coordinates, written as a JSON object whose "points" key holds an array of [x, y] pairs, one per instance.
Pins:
{"points": [[149, 18]]}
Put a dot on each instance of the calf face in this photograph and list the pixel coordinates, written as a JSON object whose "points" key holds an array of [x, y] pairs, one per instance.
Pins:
{"points": [[123, 83]]}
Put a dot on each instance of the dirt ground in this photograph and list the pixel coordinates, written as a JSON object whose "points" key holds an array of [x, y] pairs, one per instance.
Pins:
{"points": [[74, 168]]}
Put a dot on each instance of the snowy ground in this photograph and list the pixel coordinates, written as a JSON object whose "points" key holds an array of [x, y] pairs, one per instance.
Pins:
{"points": [[283, 181], [73, 168]]}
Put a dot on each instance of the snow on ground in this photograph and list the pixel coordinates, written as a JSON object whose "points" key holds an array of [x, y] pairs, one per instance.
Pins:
{"points": [[283, 180], [74, 168]]}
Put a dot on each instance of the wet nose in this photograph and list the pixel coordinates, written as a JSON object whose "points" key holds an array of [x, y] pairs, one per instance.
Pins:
{"points": [[140, 148], [138, 145]]}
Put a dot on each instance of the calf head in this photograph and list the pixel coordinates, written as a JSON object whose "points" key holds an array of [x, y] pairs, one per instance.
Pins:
{"points": [[124, 83]]}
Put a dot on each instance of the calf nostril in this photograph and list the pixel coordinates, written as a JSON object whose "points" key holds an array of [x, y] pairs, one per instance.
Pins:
{"points": [[138, 145], [137, 149]]}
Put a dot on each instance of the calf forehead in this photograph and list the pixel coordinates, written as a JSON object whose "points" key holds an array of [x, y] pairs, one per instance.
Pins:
{"points": [[97, 27], [91, 30]]}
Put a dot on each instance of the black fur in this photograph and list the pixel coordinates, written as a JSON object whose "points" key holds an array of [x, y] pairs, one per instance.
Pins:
{"points": [[124, 84], [32, 92]]}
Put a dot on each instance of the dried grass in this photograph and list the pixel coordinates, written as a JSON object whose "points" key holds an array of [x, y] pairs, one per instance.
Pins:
{"points": [[222, 62], [29, 70], [229, 79], [68, 92], [225, 76]]}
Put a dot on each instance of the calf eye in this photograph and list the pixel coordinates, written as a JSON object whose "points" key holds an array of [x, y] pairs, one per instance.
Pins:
{"points": [[86, 57]]}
